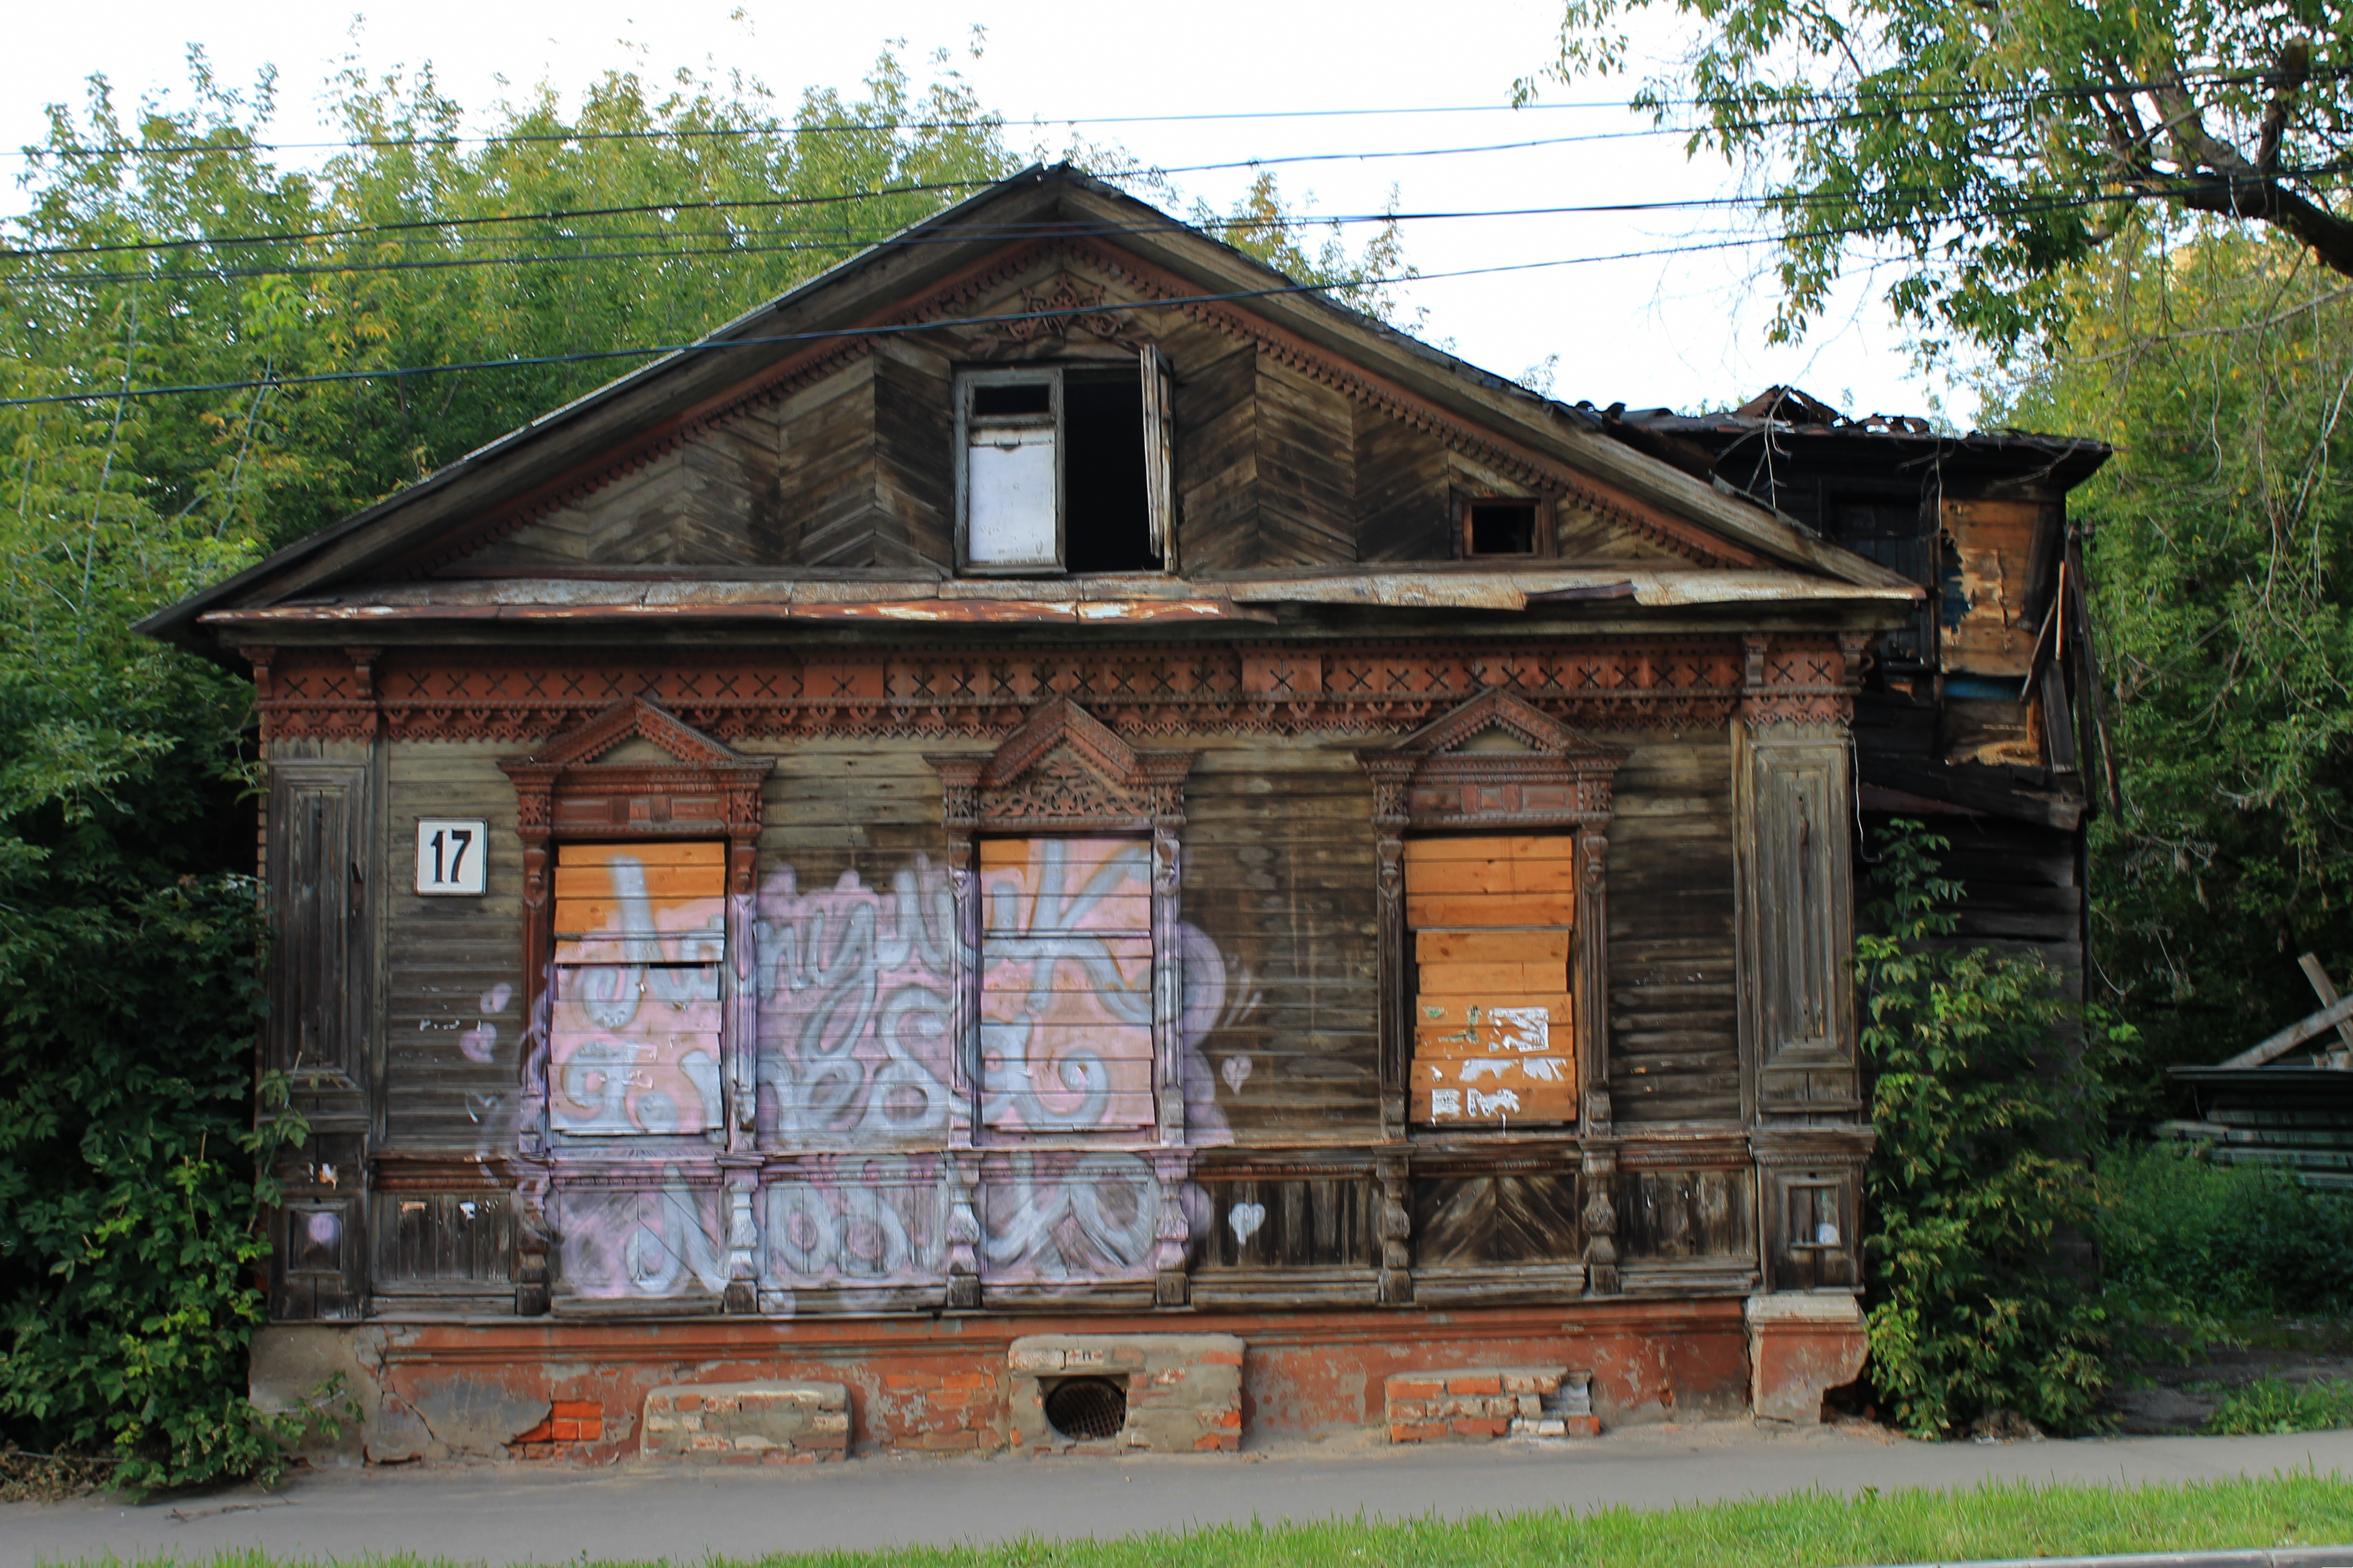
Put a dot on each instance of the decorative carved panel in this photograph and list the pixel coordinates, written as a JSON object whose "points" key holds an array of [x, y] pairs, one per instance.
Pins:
{"points": [[452, 693]]}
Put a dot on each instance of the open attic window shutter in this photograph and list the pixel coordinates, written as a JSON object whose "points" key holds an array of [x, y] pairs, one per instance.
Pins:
{"points": [[1159, 451], [640, 942]]}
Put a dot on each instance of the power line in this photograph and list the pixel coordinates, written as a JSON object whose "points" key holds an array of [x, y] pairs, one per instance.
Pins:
{"points": [[720, 345], [745, 242], [1924, 96]]}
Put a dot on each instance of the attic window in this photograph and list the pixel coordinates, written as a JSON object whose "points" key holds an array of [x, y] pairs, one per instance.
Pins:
{"points": [[1499, 528], [1064, 468]]}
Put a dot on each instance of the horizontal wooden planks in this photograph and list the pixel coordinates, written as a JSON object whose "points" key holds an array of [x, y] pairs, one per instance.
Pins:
{"points": [[452, 1019], [1279, 877], [1675, 1038]]}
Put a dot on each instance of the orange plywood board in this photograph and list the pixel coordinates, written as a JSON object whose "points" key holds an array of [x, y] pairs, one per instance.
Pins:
{"points": [[1489, 909]]}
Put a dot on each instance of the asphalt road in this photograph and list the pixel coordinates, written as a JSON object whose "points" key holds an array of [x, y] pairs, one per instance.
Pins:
{"points": [[522, 1513]]}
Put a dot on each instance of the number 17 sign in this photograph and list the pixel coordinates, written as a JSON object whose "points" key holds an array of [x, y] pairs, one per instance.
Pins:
{"points": [[451, 856]]}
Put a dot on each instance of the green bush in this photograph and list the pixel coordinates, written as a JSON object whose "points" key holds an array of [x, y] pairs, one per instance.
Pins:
{"points": [[2180, 1234], [1983, 1094], [2267, 1404]]}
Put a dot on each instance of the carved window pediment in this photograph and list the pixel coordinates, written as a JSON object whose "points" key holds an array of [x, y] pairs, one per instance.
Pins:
{"points": [[1064, 772], [1496, 761]]}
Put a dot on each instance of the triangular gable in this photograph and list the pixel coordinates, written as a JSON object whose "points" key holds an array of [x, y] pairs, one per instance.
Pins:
{"points": [[1437, 777], [928, 281]]}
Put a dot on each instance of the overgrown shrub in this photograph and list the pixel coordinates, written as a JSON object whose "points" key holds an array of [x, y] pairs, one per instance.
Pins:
{"points": [[2267, 1404], [1982, 1095], [2180, 1235], [129, 1195]]}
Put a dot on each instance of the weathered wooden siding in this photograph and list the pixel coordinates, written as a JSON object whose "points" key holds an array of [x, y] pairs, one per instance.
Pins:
{"points": [[453, 1014], [711, 502], [1307, 469], [1216, 462], [1279, 875], [1404, 498], [914, 457], [1674, 1046]]}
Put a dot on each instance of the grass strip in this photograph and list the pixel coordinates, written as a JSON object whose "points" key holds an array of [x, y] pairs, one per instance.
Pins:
{"points": [[1801, 1529]]}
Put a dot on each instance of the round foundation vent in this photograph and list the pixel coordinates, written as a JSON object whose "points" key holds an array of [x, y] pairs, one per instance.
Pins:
{"points": [[1082, 1408]]}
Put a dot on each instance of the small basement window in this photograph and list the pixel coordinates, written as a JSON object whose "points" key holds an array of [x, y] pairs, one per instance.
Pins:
{"points": [[1064, 468], [1499, 528]]}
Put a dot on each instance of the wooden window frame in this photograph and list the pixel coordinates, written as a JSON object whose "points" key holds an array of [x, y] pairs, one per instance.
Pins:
{"points": [[1560, 781], [707, 791], [1156, 433], [1064, 772]]}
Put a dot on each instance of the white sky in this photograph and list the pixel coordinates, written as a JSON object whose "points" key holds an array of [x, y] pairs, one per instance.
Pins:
{"points": [[1687, 331]]}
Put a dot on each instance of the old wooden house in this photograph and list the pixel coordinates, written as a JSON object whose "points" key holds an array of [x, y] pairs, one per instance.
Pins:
{"points": [[1050, 817]]}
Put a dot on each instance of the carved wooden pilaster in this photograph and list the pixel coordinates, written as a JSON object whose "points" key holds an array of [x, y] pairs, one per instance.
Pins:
{"points": [[1394, 1173], [1172, 1236], [1601, 1217], [963, 1233], [960, 815], [742, 1292], [1392, 963], [534, 1238], [1593, 979]]}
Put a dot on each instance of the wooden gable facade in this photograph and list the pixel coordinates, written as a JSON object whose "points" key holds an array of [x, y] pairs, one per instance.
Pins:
{"points": [[1052, 775]]}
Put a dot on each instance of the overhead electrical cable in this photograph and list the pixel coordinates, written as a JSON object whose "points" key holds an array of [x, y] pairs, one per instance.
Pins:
{"points": [[713, 345], [1914, 97], [748, 242]]}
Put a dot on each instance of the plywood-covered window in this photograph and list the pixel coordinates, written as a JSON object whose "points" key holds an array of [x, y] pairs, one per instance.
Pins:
{"points": [[640, 957], [1491, 922], [1066, 986]]}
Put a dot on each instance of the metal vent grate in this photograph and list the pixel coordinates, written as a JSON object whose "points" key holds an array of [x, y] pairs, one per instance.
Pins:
{"points": [[1084, 1408]]}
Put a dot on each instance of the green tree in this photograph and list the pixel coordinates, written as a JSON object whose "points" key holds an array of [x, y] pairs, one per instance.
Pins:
{"points": [[2220, 538], [1986, 151]]}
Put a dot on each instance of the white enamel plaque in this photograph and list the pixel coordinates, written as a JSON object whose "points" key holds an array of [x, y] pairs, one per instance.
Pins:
{"points": [[451, 856]]}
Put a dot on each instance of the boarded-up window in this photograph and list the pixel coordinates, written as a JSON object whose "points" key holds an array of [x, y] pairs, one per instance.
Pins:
{"points": [[640, 945], [1492, 922], [1066, 985]]}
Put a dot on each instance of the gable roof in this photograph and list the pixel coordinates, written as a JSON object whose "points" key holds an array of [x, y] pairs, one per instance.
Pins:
{"points": [[912, 282]]}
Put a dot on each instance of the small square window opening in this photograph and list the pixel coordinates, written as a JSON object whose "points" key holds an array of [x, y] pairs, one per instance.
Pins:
{"points": [[1499, 528]]}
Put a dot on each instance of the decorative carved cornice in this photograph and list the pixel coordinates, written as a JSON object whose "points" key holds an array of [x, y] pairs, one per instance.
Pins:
{"points": [[986, 694], [1800, 682]]}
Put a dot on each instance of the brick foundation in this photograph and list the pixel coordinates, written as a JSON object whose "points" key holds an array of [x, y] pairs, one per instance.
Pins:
{"points": [[1800, 1343], [480, 1387], [1481, 1403], [747, 1423]]}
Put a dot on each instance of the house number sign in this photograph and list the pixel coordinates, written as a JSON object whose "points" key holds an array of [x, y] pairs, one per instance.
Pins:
{"points": [[451, 856]]}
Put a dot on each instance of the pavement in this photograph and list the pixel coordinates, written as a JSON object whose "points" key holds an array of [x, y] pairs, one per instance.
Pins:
{"points": [[526, 1513]]}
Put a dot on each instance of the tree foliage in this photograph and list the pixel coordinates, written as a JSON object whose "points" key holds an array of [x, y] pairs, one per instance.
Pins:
{"points": [[2222, 369], [166, 248], [1980, 1173], [1988, 150]]}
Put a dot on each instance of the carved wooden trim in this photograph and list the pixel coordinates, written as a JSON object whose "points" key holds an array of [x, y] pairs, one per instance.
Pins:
{"points": [[1424, 782], [984, 693], [1810, 681], [707, 791], [1064, 772]]}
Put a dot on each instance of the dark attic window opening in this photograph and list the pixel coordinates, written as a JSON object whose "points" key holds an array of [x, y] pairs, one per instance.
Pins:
{"points": [[1107, 518], [1499, 528], [1006, 402]]}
